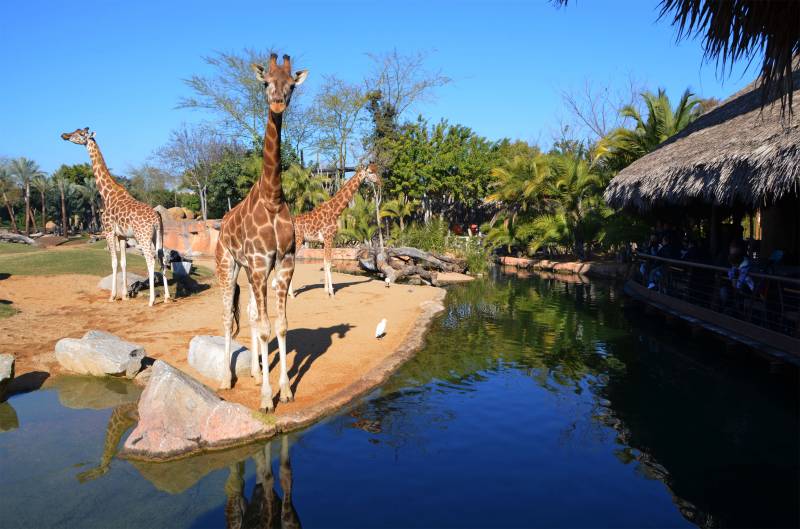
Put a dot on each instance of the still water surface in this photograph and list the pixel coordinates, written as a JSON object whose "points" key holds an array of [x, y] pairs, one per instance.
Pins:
{"points": [[533, 403]]}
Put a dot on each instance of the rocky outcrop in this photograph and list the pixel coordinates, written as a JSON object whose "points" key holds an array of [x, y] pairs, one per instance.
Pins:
{"points": [[99, 353], [6, 373], [207, 355], [178, 415], [130, 278]]}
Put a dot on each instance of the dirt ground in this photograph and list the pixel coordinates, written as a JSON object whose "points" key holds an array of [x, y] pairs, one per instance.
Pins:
{"points": [[331, 341]]}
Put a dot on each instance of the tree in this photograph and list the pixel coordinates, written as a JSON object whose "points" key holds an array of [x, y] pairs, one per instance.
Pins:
{"points": [[521, 183], [400, 209], [595, 107], [337, 116], [303, 188], [192, 153], [150, 184], [10, 193], [42, 184], [622, 146], [234, 94], [91, 195], [358, 221], [26, 170]]}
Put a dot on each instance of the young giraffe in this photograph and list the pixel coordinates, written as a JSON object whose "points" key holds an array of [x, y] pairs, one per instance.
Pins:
{"points": [[256, 235], [124, 217], [322, 223]]}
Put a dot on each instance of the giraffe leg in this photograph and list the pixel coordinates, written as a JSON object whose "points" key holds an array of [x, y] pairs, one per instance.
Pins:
{"points": [[123, 262], [111, 241], [328, 257], [255, 346], [284, 278], [227, 272], [150, 259], [259, 281], [298, 243]]}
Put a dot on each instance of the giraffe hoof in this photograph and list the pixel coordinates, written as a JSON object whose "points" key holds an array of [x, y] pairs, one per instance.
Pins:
{"points": [[286, 395], [268, 408], [225, 384], [111, 300]]}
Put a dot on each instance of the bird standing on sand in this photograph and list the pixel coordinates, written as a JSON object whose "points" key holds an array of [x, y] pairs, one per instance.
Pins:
{"points": [[380, 330]]}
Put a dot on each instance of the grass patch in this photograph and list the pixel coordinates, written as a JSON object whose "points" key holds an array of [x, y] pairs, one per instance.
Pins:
{"points": [[15, 248], [6, 309], [92, 259]]}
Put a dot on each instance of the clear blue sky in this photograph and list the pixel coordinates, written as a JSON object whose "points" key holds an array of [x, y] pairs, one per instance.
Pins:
{"points": [[117, 66]]}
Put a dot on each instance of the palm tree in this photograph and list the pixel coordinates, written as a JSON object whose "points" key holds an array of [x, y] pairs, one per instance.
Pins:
{"points": [[10, 194], [578, 193], [622, 146], [358, 221], [42, 184], [503, 234], [64, 186], [521, 183], [25, 170], [303, 188], [91, 194], [398, 209]]}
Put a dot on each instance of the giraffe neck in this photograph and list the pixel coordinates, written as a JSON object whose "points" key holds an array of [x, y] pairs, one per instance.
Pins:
{"points": [[269, 185], [105, 182], [342, 198]]}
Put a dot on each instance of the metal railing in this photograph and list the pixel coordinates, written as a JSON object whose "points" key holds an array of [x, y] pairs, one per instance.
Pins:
{"points": [[769, 301]]}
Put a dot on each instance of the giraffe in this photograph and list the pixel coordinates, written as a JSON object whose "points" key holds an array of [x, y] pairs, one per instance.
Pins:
{"points": [[124, 217], [321, 224], [257, 235], [122, 418]]}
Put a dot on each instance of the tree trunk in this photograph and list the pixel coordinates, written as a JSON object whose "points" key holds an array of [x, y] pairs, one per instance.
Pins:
{"points": [[27, 208], [64, 219], [203, 204], [94, 217], [33, 221], [44, 213], [11, 216]]}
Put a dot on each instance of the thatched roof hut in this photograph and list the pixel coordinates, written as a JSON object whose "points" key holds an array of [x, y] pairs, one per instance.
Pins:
{"points": [[736, 154]]}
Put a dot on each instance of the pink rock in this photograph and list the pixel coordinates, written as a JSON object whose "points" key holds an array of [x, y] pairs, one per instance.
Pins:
{"points": [[179, 415]]}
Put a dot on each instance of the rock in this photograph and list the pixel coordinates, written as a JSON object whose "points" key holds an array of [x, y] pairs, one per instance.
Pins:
{"points": [[131, 278], [100, 353], [188, 213], [207, 355], [6, 373], [164, 213], [179, 415], [50, 226], [176, 213]]}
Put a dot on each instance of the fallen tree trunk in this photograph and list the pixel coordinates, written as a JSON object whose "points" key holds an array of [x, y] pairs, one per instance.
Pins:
{"points": [[404, 263], [16, 237]]}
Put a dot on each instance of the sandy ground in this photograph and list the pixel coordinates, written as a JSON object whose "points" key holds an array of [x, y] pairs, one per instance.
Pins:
{"points": [[331, 341]]}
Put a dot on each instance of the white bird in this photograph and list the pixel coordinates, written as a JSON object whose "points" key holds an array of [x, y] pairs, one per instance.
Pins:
{"points": [[380, 330], [387, 281]]}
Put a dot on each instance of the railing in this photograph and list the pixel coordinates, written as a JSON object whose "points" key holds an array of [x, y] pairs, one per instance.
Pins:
{"points": [[768, 301]]}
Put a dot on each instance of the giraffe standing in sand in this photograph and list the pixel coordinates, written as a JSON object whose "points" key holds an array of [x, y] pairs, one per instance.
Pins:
{"points": [[322, 223], [257, 235], [124, 217]]}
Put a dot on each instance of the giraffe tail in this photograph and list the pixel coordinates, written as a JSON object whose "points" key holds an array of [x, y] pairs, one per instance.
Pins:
{"points": [[236, 328], [162, 256]]}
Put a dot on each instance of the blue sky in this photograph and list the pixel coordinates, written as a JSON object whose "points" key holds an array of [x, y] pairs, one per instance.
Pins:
{"points": [[117, 66]]}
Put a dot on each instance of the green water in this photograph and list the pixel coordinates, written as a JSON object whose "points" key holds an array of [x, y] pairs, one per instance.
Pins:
{"points": [[533, 403]]}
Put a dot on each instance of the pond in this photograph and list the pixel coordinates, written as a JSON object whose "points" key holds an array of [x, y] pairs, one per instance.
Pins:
{"points": [[534, 403]]}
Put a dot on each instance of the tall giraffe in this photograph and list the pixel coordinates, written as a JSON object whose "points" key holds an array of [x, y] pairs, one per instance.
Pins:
{"points": [[124, 217], [256, 235], [321, 224]]}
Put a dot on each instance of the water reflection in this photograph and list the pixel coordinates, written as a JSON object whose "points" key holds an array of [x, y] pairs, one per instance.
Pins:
{"points": [[265, 509], [8, 417]]}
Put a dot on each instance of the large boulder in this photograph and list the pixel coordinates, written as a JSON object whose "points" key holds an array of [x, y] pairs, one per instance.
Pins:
{"points": [[6, 373], [100, 353], [188, 214], [179, 415], [207, 355], [130, 278], [177, 213]]}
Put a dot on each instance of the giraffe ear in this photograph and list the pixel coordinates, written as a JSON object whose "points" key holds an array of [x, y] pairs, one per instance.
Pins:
{"points": [[91, 134], [300, 76], [259, 70]]}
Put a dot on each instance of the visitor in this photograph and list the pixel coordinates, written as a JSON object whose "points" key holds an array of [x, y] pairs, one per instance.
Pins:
{"points": [[740, 282]]}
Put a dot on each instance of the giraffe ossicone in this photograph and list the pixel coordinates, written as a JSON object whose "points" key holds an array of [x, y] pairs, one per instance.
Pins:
{"points": [[123, 217], [257, 235]]}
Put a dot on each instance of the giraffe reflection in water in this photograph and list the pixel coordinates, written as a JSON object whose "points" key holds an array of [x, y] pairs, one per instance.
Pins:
{"points": [[265, 508]]}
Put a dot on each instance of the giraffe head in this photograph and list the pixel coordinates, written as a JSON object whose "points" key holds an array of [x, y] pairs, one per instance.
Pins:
{"points": [[80, 136], [371, 174], [278, 81]]}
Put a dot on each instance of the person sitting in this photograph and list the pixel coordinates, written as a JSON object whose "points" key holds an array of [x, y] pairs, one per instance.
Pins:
{"points": [[738, 274]]}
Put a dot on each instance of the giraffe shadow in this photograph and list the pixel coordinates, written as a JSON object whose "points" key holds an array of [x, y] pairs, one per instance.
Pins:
{"points": [[336, 286], [308, 344]]}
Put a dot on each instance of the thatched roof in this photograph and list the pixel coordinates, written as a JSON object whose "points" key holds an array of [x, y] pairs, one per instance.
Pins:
{"points": [[736, 153]]}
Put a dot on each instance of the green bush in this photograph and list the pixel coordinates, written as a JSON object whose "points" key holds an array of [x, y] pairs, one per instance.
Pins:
{"points": [[436, 237]]}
